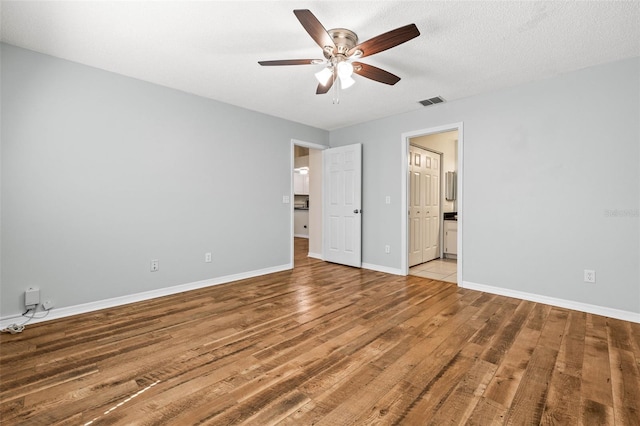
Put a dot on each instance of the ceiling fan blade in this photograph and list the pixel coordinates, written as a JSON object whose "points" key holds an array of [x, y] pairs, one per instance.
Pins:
{"points": [[375, 73], [321, 90], [291, 62], [315, 29], [386, 41]]}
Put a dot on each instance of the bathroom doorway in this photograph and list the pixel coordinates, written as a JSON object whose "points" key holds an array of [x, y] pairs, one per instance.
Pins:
{"points": [[432, 240]]}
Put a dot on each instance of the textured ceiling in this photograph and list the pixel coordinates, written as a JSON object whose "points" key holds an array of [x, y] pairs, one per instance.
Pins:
{"points": [[211, 48]]}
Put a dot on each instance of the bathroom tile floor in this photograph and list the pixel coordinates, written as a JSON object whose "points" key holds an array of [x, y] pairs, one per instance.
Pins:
{"points": [[437, 269]]}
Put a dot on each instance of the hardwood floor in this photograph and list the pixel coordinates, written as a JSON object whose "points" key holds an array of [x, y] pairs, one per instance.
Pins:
{"points": [[328, 345]]}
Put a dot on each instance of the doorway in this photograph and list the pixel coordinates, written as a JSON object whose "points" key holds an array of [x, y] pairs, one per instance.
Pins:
{"points": [[335, 192], [434, 245], [306, 197]]}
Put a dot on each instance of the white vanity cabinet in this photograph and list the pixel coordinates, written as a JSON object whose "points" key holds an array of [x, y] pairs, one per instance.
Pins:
{"points": [[450, 238], [301, 223]]}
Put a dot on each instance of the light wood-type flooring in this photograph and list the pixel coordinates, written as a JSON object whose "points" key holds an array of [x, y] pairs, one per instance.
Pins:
{"points": [[324, 344]]}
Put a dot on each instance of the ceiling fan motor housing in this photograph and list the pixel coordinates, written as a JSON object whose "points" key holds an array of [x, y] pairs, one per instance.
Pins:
{"points": [[344, 40]]}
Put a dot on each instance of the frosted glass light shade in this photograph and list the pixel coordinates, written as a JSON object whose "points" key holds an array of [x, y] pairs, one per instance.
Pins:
{"points": [[324, 75], [346, 82], [345, 69]]}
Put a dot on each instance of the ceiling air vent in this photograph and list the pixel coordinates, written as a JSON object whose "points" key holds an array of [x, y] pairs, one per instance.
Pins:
{"points": [[432, 101]]}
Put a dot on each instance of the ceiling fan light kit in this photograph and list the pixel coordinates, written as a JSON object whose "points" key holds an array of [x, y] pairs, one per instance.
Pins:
{"points": [[346, 82], [345, 69], [341, 49], [324, 75]]}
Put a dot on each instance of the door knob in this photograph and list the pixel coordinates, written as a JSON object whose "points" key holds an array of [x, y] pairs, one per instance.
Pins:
{"points": [[356, 211]]}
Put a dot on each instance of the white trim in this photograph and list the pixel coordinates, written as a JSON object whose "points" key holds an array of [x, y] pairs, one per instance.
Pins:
{"points": [[404, 188], [301, 236], [308, 144], [57, 313], [380, 268], [315, 255], [568, 304]]}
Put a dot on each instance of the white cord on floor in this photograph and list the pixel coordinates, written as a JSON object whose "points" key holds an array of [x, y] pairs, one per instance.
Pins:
{"points": [[18, 328]]}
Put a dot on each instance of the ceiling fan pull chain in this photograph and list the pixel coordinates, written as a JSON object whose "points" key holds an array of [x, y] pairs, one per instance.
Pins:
{"points": [[336, 90]]}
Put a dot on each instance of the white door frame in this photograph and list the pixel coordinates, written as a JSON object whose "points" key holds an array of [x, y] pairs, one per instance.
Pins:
{"points": [[305, 144], [404, 193]]}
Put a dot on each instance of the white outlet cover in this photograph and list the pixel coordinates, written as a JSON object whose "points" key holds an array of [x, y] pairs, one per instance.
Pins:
{"points": [[589, 276]]}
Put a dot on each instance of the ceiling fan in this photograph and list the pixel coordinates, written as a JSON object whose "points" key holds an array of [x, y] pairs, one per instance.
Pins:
{"points": [[341, 51]]}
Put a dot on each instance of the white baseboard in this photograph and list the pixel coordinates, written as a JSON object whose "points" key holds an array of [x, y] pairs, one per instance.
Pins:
{"points": [[315, 255], [562, 303], [66, 311], [380, 268], [57, 313], [301, 236]]}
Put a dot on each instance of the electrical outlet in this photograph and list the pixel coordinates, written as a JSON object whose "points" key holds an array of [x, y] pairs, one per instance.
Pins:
{"points": [[155, 265], [47, 304], [207, 257], [387, 199], [387, 248], [589, 276]]}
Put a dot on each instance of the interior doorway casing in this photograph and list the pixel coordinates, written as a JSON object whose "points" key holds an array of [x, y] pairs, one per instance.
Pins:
{"points": [[310, 145], [404, 203]]}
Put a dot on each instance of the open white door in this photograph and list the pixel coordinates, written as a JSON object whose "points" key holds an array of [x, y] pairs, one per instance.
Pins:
{"points": [[424, 205], [342, 214]]}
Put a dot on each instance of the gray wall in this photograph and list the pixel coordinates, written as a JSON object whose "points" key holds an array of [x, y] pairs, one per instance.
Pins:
{"points": [[102, 173], [551, 184]]}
